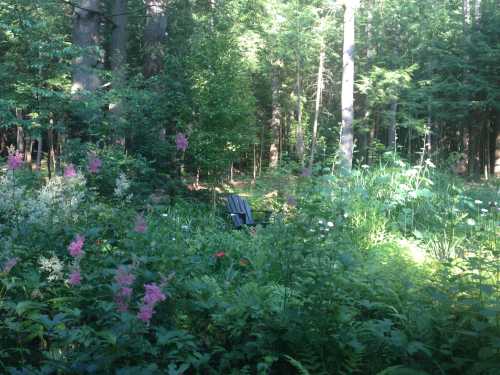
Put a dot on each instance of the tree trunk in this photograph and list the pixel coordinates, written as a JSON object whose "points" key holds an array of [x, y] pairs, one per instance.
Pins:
{"points": [[29, 151], [86, 37], [154, 37], [275, 121], [118, 64], [39, 152], [496, 168], [392, 133], [300, 132], [346, 133], [364, 132], [319, 92]]}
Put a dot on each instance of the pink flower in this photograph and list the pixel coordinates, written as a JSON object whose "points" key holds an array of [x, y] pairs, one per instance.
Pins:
{"points": [[75, 247], [69, 171], [145, 313], [220, 254], [7, 267], [140, 224], [125, 292], [95, 163], [75, 278], [153, 294], [123, 277], [15, 161], [122, 306], [181, 142]]}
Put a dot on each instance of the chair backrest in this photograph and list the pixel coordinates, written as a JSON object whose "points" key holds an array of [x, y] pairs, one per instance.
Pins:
{"points": [[240, 211]]}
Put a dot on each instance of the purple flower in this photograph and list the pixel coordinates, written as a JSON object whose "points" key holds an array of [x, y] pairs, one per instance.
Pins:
{"points": [[123, 277], [69, 171], [145, 313], [140, 224], [15, 161], [153, 294], [181, 142], [75, 278], [95, 163], [75, 247], [7, 267]]}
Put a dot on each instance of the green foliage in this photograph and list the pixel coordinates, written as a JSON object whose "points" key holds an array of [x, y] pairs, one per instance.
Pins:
{"points": [[339, 283]]}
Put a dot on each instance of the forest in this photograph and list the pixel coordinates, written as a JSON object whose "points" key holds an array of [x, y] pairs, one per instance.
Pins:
{"points": [[250, 187]]}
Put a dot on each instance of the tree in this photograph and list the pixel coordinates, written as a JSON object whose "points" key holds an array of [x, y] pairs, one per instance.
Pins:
{"points": [[346, 134], [86, 38], [154, 36]]}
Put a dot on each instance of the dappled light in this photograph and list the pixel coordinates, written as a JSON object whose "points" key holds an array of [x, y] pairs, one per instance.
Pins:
{"points": [[249, 187]]}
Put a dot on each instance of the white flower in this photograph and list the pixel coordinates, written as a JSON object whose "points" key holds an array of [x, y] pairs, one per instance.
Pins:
{"points": [[484, 210], [430, 164], [470, 222], [364, 166], [477, 201], [185, 227], [320, 222], [330, 224], [53, 266], [122, 185]]}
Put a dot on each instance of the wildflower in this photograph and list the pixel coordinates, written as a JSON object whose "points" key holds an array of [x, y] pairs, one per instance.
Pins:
{"points": [[478, 202], [95, 164], [53, 266], [220, 254], [123, 277], [69, 171], [145, 313], [7, 267], [75, 247], [291, 201], [75, 278], [15, 161], [484, 210], [122, 185], [471, 222], [153, 294], [330, 224], [181, 142], [140, 224], [430, 164]]}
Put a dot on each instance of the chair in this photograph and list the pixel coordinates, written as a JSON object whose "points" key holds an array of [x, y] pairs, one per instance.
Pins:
{"points": [[241, 212]]}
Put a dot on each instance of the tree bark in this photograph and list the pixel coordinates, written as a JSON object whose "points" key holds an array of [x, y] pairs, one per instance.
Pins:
{"points": [[346, 133], [119, 38], [364, 135], [392, 132], [300, 132], [86, 37], [496, 168], [154, 37], [39, 152], [319, 92], [275, 120]]}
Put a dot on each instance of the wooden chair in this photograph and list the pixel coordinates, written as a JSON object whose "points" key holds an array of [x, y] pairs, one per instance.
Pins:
{"points": [[241, 212]]}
